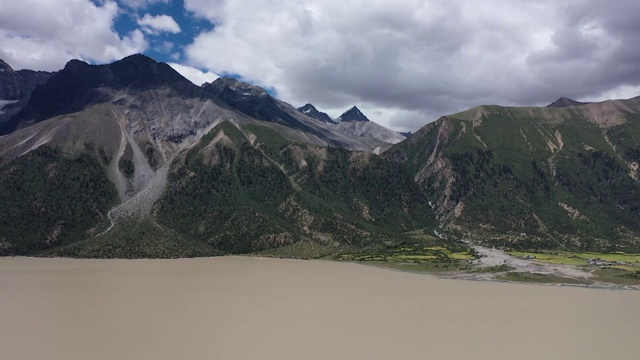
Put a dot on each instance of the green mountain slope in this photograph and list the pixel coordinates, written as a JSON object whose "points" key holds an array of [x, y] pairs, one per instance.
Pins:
{"points": [[50, 199], [240, 197], [224, 194], [534, 177]]}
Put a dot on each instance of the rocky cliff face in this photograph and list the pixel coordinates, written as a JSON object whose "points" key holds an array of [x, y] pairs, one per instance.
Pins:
{"points": [[16, 85], [15, 89], [354, 123], [312, 112]]}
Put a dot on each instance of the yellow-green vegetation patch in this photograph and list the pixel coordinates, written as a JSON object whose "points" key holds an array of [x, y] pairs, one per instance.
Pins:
{"points": [[436, 248], [626, 268], [551, 258], [423, 250], [415, 257], [462, 256]]}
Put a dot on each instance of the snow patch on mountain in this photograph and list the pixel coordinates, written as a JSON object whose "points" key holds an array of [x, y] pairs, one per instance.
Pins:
{"points": [[4, 103]]}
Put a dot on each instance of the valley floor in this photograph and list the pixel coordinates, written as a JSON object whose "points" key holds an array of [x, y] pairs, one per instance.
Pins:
{"points": [[532, 270], [494, 264], [255, 308]]}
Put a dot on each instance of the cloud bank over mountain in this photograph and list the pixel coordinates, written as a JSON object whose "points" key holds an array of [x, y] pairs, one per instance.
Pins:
{"points": [[404, 64]]}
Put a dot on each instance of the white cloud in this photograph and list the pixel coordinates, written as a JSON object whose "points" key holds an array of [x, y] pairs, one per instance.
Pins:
{"points": [[194, 75], [619, 92], [164, 47], [140, 4], [45, 34], [160, 23], [415, 60]]}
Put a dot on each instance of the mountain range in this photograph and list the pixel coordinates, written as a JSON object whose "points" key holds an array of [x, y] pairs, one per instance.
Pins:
{"points": [[130, 159], [355, 124]]}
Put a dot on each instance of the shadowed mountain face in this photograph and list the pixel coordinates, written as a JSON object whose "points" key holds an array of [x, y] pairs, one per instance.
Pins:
{"points": [[253, 101], [15, 89], [565, 102], [79, 85], [534, 177], [353, 114], [312, 112], [16, 85]]}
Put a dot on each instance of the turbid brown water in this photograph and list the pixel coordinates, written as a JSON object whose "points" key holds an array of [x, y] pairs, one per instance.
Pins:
{"points": [[250, 308]]}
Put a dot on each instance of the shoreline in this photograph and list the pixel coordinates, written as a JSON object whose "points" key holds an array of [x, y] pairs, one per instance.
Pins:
{"points": [[439, 275], [490, 280]]}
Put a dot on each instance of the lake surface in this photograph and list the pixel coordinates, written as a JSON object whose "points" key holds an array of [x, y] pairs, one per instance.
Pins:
{"points": [[252, 308]]}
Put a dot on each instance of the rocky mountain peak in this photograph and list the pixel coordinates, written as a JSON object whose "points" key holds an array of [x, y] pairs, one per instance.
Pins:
{"points": [[314, 113], [134, 71], [18, 85], [80, 84], [353, 114], [307, 108], [240, 87], [565, 102], [4, 66]]}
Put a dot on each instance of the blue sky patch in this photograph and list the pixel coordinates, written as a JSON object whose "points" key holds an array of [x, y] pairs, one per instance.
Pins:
{"points": [[164, 46]]}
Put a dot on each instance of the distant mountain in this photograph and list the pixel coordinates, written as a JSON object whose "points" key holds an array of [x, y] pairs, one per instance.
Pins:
{"points": [[353, 114], [534, 177], [312, 112], [354, 123], [256, 103], [405, 133], [15, 89], [565, 102], [253, 101]]}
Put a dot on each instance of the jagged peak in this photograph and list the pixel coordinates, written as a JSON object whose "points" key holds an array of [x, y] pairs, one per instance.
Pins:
{"points": [[236, 85], [353, 114], [138, 58], [4, 66], [314, 113], [307, 106], [75, 64]]}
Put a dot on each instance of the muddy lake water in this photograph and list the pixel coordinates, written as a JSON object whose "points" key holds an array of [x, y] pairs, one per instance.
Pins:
{"points": [[255, 308]]}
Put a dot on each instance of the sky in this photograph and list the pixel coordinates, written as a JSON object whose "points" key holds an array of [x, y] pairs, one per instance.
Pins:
{"points": [[403, 63]]}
